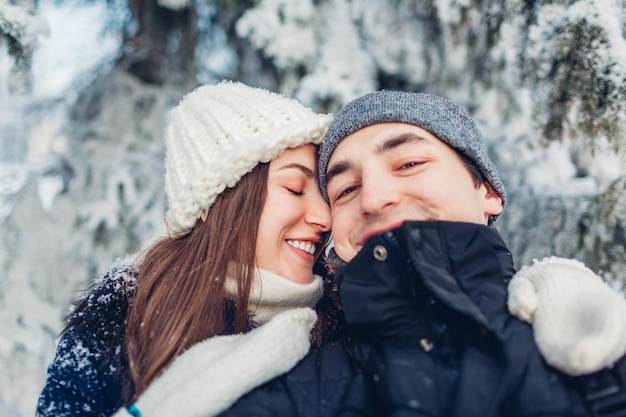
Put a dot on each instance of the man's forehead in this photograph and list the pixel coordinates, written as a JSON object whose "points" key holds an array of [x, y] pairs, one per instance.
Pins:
{"points": [[379, 139]]}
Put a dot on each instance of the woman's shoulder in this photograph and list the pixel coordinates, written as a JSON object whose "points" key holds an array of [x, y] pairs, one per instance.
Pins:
{"points": [[89, 369], [103, 307]]}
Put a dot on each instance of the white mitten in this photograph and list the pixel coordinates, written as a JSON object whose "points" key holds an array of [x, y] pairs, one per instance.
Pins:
{"points": [[211, 375], [578, 320]]}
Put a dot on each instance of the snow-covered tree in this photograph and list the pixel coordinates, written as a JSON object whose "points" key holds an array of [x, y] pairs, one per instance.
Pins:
{"points": [[576, 62]]}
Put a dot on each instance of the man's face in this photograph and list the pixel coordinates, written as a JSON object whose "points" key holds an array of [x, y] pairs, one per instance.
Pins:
{"points": [[388, 173]]}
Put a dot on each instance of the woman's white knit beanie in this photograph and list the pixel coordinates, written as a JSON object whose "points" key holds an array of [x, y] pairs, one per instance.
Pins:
{"points": [[218, 133]]}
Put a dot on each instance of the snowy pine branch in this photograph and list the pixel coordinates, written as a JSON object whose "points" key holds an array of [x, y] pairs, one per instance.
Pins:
{"points": [[577, 60], [602, 233]]}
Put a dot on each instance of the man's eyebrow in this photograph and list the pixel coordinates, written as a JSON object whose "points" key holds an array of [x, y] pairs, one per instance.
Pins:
{"points": [[389, 144], [338, 168], [305, 170], [396, 141]]}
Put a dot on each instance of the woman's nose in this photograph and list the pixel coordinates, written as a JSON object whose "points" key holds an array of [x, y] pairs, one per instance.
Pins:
{"points": [[318, 214]]}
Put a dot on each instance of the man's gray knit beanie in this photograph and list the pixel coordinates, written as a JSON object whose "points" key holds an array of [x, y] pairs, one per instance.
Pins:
{"points": [[442, 118]]}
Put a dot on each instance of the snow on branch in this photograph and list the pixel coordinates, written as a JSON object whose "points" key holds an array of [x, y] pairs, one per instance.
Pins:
{"points": [[284, 30], [16, 22], [20, 29]]}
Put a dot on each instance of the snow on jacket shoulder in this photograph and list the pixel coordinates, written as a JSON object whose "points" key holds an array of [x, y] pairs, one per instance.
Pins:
{"points": [[86, 375]]}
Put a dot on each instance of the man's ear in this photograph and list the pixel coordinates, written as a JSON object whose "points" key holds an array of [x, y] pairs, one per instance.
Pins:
{"points": [[204, 215], [492, 204]]}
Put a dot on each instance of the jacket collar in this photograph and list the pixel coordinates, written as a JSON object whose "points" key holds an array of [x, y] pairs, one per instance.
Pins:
{"points": [[467, 266], [464, 266]]}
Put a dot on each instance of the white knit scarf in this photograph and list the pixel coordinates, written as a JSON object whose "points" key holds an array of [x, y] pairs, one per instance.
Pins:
{"points": [[210, 376], [271, 293]]}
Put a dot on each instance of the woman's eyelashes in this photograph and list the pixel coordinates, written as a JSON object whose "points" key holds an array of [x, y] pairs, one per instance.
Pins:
{"points": [[295, 191]]}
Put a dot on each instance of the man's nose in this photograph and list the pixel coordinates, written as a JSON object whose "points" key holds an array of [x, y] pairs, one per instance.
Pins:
{"points": [[377, 195]]}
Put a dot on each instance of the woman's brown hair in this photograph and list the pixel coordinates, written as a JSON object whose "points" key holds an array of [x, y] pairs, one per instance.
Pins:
{"points": [[179, 297]]}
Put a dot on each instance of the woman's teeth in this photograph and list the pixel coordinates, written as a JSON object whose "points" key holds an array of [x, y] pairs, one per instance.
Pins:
{"points": [[305, 246]]}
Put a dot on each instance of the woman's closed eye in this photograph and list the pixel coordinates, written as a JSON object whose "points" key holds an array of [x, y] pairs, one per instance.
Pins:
{"points": [[294, 191]]}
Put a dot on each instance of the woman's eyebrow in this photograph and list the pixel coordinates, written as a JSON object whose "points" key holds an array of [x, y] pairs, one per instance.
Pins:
{"points": [[305, 170]]}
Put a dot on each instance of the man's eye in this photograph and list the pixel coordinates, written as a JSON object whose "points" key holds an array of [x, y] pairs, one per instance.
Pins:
{"points": [[295, 192], [347, 191], [410, 164]]}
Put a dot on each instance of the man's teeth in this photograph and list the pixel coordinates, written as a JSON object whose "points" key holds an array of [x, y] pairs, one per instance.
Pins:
{"points": [[305, 246]]}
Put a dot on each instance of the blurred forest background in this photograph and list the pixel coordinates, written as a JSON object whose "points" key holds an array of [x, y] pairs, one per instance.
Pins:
{"points": [[81, 159]]}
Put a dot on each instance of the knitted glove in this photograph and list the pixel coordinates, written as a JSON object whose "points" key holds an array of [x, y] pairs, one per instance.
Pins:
{"points": [[578, 320], [210, 376]]}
